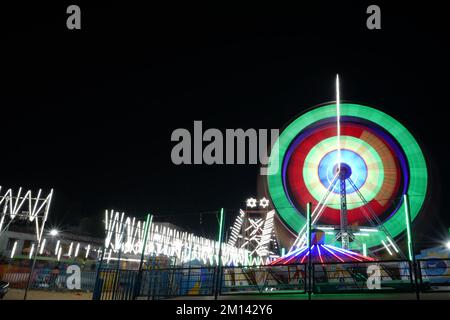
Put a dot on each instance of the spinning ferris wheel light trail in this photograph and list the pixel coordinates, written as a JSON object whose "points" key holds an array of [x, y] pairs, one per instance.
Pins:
{"points": [[354, 164]]}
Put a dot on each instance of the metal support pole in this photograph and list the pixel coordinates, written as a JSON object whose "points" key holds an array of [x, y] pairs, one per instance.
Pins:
{"points": [[97, 277], [370, 214], [410, 243], [219, 260], [308, 243], [117, 275], [151, 277], [148, 223], [38, 247], [345, 238]]}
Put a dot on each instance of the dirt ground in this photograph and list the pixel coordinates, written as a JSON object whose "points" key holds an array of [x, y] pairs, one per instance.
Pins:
{"points": [[17, 294]]}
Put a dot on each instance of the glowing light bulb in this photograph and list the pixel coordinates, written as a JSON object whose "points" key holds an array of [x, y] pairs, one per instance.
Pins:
{"points": [[251, 202], [264, 203]]}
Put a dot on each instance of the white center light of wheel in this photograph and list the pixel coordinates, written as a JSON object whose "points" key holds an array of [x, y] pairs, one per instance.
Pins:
{"points": [[367, 170]]}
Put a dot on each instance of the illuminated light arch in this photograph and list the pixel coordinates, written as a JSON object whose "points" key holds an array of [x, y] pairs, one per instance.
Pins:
{"points": [[379, 142]]}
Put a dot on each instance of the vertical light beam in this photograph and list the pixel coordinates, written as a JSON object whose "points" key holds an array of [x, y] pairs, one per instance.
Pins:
{"points": [[77, 249], [31, 251], [13, 251], [408, 228], [42, 246], [338, 122], [1, 223], [59, 253], [70, 250], [57, 247], [308, 225]]}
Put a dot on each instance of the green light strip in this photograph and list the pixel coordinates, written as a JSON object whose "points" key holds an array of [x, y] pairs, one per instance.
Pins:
{"points": [[220, 238], [308, 224], [220, 226], [408, 227], [148, 223]]}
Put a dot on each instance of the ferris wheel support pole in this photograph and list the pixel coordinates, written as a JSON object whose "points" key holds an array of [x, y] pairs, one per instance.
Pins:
{"points": [[371, 215], [410, 243], [345, 238], [308, 243], [317, 212]]}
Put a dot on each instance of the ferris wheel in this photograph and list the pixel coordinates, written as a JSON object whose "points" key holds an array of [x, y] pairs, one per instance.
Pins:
{"points": [[354, 164]]}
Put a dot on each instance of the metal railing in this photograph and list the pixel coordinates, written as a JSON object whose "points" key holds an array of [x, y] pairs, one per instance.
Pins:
{"points": [[116, 284], [379, 276], [44, 278], [263, 279], [434, 275], [174, 282], [338, 277]]}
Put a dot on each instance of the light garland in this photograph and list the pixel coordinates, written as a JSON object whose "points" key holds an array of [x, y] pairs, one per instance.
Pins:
{"points": [[127, 235], [34, 206]]}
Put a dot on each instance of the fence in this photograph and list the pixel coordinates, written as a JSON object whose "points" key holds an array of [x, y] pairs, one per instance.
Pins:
{"points": [[434, 275], [47, 278], [263, 279], [381, 276], [116, 284], [342, 277], [167, 283]]}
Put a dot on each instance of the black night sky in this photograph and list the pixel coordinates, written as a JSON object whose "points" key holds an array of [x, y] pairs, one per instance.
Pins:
{"points": [[90, 113]]}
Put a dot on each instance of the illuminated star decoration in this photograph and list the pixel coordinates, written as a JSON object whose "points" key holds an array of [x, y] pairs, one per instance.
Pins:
{"points": [[263, 203], [251, 202]]}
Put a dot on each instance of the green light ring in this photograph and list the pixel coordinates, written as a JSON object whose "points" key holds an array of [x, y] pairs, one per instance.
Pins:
{"points": [[418, 176]]}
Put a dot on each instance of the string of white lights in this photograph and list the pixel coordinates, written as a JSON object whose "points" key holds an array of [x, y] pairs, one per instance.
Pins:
{"points": [[128, 235], [26, 206]]}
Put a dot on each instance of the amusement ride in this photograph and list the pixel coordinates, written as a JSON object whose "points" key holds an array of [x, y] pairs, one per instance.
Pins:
{"points": [[360, 172]]}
